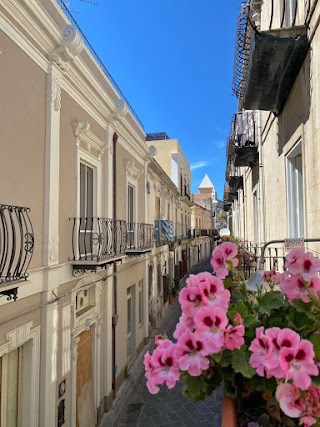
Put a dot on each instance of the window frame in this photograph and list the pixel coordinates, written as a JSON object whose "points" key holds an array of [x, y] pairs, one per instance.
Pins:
{"points": [[295, 193]]}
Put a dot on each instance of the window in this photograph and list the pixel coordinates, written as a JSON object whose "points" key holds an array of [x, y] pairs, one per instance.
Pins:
{"points": [[131, 215], [86, 209], [290, 12], [129, 322], [255, 218], [295, 210], [85, 300], [140, 302], [11, 388]]}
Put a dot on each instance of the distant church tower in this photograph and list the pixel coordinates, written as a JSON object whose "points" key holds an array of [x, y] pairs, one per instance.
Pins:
{"points": [[207, 196]]}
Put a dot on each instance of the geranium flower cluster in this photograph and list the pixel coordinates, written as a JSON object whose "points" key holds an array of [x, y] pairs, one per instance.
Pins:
{"points": [[300, 280], [203, 330], [297, 404], [280, 353]]}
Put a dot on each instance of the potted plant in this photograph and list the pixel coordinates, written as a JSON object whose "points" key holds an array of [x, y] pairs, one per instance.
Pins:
{"points": [[174, 290], [264, 346]]}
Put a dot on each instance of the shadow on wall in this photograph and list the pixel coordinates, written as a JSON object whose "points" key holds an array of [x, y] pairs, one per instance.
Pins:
{"points": [[297, 108]]}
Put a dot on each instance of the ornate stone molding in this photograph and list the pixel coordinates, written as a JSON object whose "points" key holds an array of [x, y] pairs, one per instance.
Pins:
{"points": [[132, 170], [121, 109], [54, 91], [19, 336], [71, 46], [53, 249], [79, 130]]}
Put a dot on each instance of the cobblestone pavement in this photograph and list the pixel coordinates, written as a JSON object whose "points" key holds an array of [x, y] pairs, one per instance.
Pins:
{"points": [[168, 407]]}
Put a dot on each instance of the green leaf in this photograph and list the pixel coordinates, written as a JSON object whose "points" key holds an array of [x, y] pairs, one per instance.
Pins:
{"points": [[315, 339], [229, 283], [302, 307], [240, 363], [316, 381], [263, 384], [269, 301], [196, 387], [226, 358]]}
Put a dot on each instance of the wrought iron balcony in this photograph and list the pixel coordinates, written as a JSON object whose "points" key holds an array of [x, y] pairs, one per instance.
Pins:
{"points": [[236, 182], [202, 232], [267, 62], [96, 242], [140, 238], [163, 232], [16, 247], [182, 232]]}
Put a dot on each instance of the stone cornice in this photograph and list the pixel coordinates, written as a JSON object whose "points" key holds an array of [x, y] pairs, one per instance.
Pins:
{"points": [[132, 170], [155, 170], [85, 80], [81, 131]]}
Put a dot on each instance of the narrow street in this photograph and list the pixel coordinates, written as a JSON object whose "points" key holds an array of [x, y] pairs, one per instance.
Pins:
{"points": [[169, 407]]}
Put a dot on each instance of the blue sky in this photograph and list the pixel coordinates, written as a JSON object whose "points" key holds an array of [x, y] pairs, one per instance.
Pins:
{"points": [[173, 60]]}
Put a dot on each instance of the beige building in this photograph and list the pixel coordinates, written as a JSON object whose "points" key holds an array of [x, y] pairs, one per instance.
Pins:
{"points": [[74, 263], [278, 158]]}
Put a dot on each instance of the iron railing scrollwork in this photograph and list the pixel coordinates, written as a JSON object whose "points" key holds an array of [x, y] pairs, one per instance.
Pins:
{"points": [[140, 236], [97, 239], [16, 243]]}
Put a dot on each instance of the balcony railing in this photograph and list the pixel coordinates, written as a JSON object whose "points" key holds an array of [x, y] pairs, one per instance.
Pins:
{"points": [[140, 237], [97, 240], [196, 232], [164, 232], [16, 244], [182, 232]]}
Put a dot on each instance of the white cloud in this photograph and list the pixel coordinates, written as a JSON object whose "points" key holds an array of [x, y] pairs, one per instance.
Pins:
{"points": [[198, 165], [220, 144]]}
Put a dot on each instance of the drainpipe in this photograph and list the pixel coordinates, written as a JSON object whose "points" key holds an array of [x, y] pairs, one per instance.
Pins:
{"points": [[115, 293], [261, 183]]}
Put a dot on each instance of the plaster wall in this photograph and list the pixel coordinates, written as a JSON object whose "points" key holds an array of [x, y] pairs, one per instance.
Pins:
{"points": [[22, 121]]}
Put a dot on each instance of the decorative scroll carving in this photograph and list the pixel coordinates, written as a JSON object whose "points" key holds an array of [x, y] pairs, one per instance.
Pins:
{"points": [[79, 130], [71, 46]]}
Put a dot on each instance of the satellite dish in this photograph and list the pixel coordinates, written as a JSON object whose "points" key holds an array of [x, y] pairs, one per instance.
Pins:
{"points": [[152, 150], [224, 232]]}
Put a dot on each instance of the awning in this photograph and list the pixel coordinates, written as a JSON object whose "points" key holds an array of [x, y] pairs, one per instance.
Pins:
{"points": [[275, 60]]}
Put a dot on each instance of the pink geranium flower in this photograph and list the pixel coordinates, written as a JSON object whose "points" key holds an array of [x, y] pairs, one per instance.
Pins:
{"points": [[185, 324], [191, 354], [211, 324], [307, 265], [233, 337], [219, 265], [280, 338], [214, 293], [291, 259], [288, 397], [196, 279], [294, 287], [298, 364], [191, 300], [166, 369], [229, 250], [261, 348]]}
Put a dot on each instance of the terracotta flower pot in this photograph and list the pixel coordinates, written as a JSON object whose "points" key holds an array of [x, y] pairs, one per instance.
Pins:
{"points": [[229, 417], [239, 258], [172, 299]]}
